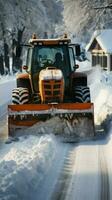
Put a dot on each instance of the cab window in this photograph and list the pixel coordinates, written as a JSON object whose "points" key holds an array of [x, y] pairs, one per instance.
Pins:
{"points": [[72, 58], [29, 58]]}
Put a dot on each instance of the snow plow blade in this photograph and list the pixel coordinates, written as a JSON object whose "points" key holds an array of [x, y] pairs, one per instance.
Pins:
{"points": [[76, 120]]}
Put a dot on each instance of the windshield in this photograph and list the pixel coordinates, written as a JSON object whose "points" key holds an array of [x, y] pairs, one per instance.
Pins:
{"points": [[50, 56]]}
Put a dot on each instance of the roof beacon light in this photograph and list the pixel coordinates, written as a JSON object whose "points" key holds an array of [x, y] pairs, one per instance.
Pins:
{"points": [[34, 36], [65, 35]]}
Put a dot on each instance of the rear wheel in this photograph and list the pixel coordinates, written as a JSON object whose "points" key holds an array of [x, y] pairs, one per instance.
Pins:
{"points": [[20, 96], [82, 94]]}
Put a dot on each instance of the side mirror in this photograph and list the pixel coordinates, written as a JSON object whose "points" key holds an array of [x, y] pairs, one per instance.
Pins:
{"points": [[77, 50], [25, 67], [76, 67]]}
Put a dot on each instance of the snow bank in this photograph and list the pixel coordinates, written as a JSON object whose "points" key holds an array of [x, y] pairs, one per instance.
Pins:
{"points": [[7, 83], [84, 66], [101, 93], [24, 166], [100, 83]]}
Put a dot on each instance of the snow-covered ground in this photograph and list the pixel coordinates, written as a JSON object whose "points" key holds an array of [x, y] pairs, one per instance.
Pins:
{"points": [[35, 166], [7, 84], [100, 83], [23, 165]]}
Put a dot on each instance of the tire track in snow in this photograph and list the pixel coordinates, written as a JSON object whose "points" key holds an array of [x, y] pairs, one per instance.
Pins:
{"points": [[3, 127], [105, 193], [63, 182]]}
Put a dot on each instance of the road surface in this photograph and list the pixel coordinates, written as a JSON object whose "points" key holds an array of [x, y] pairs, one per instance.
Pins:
{"points": [[82, 174], [3, 127], [79, 172]]}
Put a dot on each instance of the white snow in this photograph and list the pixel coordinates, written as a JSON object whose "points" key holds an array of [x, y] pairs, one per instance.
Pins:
{"points": [[84, 66], [24, 165], [7, 83], [51, 74], [100, 83], [103, 37], [33, 160]]}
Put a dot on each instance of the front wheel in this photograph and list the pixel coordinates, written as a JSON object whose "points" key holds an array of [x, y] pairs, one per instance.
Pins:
{"points": [[20, 95], [82, 94]]}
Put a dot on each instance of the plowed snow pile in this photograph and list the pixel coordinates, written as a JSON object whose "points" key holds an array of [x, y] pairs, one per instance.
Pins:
{"points": [[64, 129], [101, 94], [7, 84], [24, 165]]}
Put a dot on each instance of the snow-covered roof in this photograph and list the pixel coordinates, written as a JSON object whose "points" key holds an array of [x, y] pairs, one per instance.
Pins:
{"points": [[104, 38]]}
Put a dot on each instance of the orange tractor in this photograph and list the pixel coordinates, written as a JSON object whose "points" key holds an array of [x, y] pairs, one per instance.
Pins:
{"points": [[50, 86]]}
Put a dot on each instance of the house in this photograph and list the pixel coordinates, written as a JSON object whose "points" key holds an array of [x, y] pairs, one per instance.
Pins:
{"points": [[100, 48]]}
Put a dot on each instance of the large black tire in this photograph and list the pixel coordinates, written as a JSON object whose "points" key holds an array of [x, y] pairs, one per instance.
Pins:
{"points": [[82, 94], [20, 96], [25, 83]]}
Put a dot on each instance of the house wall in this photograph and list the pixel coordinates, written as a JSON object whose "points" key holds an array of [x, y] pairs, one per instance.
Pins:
{"points": [[108, 62], [100, 59], [111, 62]]}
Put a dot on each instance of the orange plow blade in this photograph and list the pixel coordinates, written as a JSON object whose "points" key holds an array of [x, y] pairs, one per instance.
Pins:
{"points": [[78, 117]]}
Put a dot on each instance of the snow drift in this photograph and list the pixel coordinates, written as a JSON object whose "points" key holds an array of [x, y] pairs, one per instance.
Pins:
{"points": [[7, 84], [24, 165], [100, 83]]}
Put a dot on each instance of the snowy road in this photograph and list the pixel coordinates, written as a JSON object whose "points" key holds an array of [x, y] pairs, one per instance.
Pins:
{"points": [[3, 127], [77, 171], [83, 175]]}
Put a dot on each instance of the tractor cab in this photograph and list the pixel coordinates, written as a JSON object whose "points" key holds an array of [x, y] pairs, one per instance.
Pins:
{"points": [[50, 53]]}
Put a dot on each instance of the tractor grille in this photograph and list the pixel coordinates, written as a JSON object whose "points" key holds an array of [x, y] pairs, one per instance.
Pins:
{"points": [[52, 90]]}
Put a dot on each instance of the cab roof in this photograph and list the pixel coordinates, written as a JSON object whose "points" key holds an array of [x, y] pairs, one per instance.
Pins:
{"points": [[37, 41]]}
